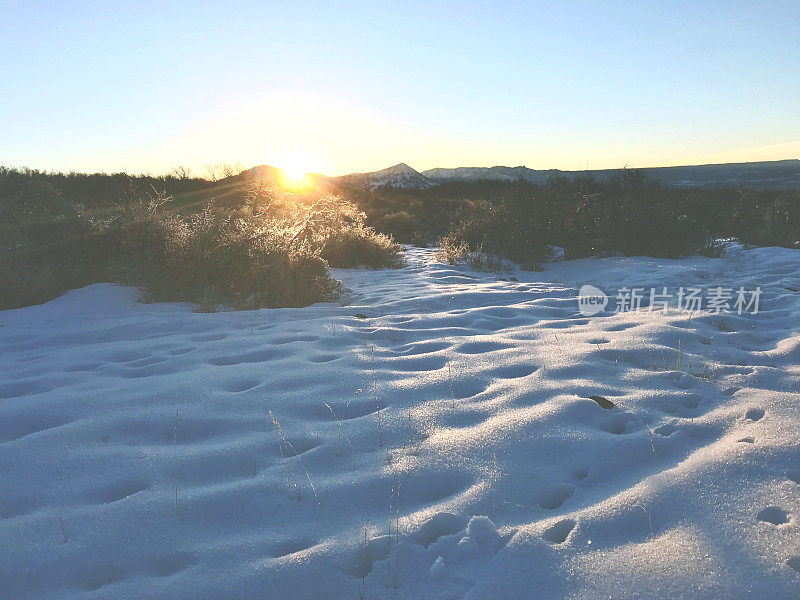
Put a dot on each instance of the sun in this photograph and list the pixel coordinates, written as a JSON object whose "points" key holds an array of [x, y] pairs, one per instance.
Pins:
{"points": [[297, 169]]}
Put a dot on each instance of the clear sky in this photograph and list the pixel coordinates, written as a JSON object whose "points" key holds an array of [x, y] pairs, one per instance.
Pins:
{"points": [[341, 87]]}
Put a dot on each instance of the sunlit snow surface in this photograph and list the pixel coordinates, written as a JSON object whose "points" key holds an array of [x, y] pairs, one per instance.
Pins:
{"points": [[448, 427]]}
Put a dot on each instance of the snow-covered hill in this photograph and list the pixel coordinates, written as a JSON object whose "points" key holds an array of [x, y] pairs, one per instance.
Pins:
{"points": [[449, 434], [398, 176]]}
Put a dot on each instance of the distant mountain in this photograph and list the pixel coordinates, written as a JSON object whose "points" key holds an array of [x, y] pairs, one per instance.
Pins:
{"points": [[780, 174], [398, 176], [461, 174]]}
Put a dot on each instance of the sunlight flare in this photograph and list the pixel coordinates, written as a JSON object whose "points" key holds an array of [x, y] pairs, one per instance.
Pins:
{"points": [[297, 169]]}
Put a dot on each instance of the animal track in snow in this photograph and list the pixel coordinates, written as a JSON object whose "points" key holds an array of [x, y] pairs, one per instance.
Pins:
{"points": [[513, 371], [730, 391], [411, 364], [482, 347], [794, 563], [466, 388], [437, 526], [246, 357], [691, 401], [428, 491], [367, 554], [558, 533], [619, 424], [666, 430], [151, 370], [754, 414], [774, 514], [556, 496]]}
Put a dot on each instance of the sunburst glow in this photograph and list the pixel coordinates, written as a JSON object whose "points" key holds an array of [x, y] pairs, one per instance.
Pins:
{"points": [[297, 169]]}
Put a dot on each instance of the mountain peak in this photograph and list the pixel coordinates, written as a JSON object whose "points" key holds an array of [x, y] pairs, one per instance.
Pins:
{"points": [[400, 168], [397, 176]]}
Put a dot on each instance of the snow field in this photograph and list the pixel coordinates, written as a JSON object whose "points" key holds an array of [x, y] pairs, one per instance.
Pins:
{"points": [[447, 434]]}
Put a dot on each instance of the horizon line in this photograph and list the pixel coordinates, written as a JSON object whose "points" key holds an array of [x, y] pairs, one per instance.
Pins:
{"points": [[142, 173]]}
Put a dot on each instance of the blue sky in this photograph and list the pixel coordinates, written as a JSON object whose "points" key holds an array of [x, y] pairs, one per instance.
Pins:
{"points": [[359, 86]]}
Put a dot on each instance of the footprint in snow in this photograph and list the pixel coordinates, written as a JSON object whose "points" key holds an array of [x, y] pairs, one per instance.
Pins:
{"points": [[438, 525], [774, 514], [556, 496], [558, 533], [754, 414], [666, 430], [620, 424]]}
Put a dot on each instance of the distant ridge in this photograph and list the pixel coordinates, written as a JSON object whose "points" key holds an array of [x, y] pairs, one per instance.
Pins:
{"points": [[779, 174], [765, 175]]}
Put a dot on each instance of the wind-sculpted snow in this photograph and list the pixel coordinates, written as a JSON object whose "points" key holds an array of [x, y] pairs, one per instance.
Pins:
{"points": [[448, 434]]}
